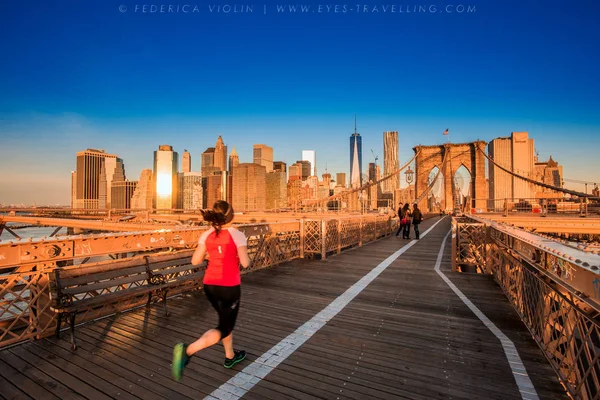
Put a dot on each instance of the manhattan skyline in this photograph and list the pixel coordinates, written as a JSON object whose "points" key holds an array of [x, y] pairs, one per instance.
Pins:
{"points": [[81, 75]]}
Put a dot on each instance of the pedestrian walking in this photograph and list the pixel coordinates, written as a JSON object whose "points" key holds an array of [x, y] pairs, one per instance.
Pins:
{"points": [[406, 219], [400, 226], [417, 217]]}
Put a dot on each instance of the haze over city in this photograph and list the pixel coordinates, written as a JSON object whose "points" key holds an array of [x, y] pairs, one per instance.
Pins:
{"points": [[80, 75]]}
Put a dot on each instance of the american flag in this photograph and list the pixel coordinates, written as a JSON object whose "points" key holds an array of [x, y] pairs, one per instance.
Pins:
{"points": [[446, 132]]}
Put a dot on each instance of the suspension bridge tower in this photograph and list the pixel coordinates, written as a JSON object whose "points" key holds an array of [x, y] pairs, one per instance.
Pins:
{"points": [[448, 158]]}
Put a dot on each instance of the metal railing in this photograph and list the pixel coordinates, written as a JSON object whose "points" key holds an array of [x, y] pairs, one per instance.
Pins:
{"points": [[555, 290], [25, 264], [540, 206]]}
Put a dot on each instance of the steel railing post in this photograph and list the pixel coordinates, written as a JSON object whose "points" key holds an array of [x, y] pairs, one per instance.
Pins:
{"points": [[323, 239], [302, 228]]}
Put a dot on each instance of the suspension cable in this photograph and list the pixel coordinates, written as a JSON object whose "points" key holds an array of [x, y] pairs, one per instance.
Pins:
{"points": [[544, 185], [363, 187]]}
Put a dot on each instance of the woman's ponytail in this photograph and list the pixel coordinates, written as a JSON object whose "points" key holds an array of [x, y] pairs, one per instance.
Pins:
{"points": [[221, 214]]}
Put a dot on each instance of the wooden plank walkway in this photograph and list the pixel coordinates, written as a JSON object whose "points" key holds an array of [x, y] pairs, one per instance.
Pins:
{"points": [[405, 336]]}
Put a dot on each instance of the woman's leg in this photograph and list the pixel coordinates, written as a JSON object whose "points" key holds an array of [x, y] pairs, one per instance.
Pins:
{"points": [[210, 337], [228, 346], [226, 301], [227, 319]]}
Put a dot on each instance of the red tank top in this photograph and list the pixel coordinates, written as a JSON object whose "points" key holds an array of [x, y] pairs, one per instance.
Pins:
{"points": [[224, 262]]}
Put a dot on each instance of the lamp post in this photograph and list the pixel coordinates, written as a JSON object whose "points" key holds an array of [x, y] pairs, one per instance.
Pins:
{"points": [[410, 174]]}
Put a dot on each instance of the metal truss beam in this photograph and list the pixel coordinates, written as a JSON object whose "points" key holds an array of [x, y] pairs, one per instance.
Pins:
{"points": [[84, 224], [49, 251]]}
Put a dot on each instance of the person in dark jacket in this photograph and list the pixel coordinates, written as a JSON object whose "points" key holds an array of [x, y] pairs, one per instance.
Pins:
{"points": [[417, 217], [400, 226]]}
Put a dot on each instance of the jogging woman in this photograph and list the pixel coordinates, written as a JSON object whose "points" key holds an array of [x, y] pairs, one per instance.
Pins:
{"points": [[227, 249]]}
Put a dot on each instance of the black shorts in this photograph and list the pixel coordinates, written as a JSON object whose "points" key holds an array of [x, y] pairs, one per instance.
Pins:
{"points": [[226, 301]]}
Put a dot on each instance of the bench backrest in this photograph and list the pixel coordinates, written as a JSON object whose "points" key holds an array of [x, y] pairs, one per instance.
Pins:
{"points": [[76, 283]]}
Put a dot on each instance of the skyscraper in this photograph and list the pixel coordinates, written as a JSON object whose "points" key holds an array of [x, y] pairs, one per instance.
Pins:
{"points": [[372, 172], [326, 179], [165, 177], [276, 190], [73, 188], [121, 194], [550, 173], [306, 168], [279, 166], [355, 158], [311, 188], [326, 184], [294, 191], [190, 190], [295, 172], [208, 161], [220, 155], [310, 156], [186, 161], [91, 177], [340, 179], [514, 153], [373, 198], [390, 161], [144, 191], [112, 171], [378, 177], [249, 187], [234, 160], [263, 155], [215, 188]]}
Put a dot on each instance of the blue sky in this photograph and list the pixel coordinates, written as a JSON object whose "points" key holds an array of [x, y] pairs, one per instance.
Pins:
{"points": [[99, 74]]}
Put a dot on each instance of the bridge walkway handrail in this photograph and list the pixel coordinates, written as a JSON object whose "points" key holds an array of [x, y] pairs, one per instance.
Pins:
{"points": [[25, 308], [554, 288]]}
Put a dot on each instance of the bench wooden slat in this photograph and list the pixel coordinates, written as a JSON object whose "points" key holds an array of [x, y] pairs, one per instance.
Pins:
{"points": [[106, 280], [179, 268], [81, 270], [78, 270], [127, 293], [106, 284], [171, 263], [105, 299], [180, 280], [84, 279]]}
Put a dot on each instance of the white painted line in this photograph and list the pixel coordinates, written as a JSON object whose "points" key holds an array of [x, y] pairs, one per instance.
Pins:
{"points": [[526, 388], [245, 380]]}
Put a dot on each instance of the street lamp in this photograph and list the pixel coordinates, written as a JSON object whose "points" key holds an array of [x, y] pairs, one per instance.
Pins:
{"points": [[410, 174]]}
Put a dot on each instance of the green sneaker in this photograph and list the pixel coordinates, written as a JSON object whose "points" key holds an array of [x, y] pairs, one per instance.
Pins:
{"points": [[180, 360], [239, 356]]}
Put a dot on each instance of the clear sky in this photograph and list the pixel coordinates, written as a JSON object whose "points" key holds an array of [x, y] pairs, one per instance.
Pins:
{"points": [[114, 75]]}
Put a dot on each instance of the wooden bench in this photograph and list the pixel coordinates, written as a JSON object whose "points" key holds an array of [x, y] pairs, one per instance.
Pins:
{"points": [[107, 288]]}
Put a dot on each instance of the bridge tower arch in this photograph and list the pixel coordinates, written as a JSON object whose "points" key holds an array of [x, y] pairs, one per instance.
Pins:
{"points": [[469, 155]]}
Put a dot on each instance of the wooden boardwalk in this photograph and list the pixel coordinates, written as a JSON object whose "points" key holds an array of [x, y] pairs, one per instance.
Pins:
{"points": [[407, 335]]}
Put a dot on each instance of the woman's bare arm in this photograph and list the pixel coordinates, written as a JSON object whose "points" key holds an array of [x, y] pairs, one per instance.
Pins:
{"points": [[199, 254], [243, 254]]}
